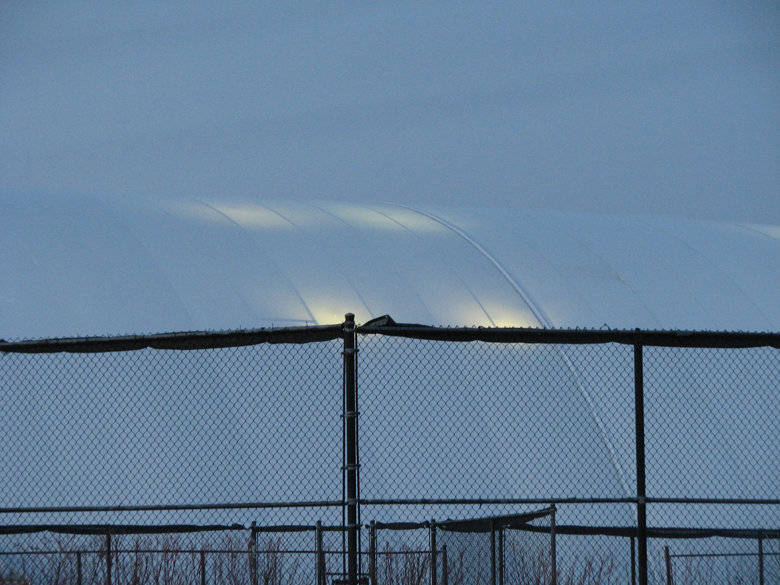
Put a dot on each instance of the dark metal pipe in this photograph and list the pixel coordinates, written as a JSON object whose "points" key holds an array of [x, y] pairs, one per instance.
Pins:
{"points": [[760, 561], [202, 567], [553, 548], [500, 555], [641, 508], [350, 415], [253, 555], [668, 559], [434, 568], [492, 553], [108, 558], [320, 554], [372, 553], [445, 570]]}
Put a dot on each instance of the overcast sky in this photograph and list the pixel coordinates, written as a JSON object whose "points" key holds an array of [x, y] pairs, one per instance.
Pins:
{"points": [[664, 107]]}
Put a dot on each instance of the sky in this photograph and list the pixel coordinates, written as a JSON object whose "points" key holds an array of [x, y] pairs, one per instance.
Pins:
{"points": [[664, 108]]}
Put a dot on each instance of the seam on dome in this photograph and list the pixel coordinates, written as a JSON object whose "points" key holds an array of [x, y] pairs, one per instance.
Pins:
{"points": [[152, 258], [612, 268], [246, 233], [455, 273], [707, 259], [371, 207], [541, 317]]}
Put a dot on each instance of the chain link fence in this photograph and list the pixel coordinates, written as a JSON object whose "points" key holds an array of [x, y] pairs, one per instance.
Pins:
{"points": [[340, 455]]}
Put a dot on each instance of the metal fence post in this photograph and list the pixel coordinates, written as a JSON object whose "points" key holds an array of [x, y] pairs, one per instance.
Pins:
{"points": [[202, 567], [639, 413], [320, 554], [668, 559], [108, 558], [553, 549], [761, 560], [445, 570], [253, 555], [492, 552], [433, 552], [633, 562], [350, 415], [372, 553], [78, 568], [500, 555]]}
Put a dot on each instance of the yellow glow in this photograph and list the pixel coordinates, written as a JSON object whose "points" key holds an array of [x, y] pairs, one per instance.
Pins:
{"points": [[252, 216], [362, 217]]}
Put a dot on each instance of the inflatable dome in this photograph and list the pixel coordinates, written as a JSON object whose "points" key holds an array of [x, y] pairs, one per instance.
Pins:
{"points": [[75, 266]]}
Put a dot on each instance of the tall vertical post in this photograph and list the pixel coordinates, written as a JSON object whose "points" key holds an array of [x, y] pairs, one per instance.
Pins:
{"points": [[109, 560], [761, 560], [500, 555], [445, 569], [78, 568], [633, 561], [492, 552], [434, 568], [350, 419], [668, 560], [320, 554], [372, 554], [253, 555], [553, 549], [639, 412], [202, 567]]}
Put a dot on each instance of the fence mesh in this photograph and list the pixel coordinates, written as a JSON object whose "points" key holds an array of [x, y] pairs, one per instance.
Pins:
{"points": [[174, 453], [173, 428]]}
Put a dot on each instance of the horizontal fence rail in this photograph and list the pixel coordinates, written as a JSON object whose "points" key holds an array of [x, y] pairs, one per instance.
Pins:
{"points": [[342, 454]]}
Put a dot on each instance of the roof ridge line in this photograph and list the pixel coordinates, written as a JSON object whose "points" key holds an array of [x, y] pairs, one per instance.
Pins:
{"points": [[524, 294]]}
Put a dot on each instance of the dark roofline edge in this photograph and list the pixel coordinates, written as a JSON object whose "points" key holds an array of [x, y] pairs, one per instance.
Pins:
{"points": [[385, 326]]}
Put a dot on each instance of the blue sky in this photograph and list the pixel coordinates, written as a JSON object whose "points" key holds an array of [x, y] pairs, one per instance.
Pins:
{"points": [[666, 108]]}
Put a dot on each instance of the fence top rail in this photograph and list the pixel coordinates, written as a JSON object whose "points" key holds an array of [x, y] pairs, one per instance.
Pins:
{"points": [[176, 341], [115, 529], [385, 326], [671, 338]]}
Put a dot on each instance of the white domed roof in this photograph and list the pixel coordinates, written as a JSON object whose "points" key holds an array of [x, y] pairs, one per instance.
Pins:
{"points": [[84, 266]]}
